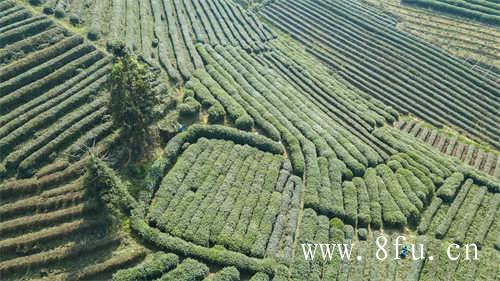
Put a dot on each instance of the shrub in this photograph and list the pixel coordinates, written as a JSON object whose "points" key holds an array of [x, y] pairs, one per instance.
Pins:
{"points": [[226, 274], [94, 34], [445, 224], [408, 191], [363, 233], [449, 188], [74, 19], [394, 165], [216, 114], [188, 269], [59, 13], [428, 214], [483, 179], [468, 219], [259, 276], [189, 108], [155, 42], [244, 122], [48, 10], [371, 182], [396, 191], [152, 267], [363, 202], [101, 180], [350, 201], [488, 220], [392, 215], [216, 255], [221, 132]]}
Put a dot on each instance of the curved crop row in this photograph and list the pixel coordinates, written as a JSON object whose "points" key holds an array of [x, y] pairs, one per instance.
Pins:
{"points": [[358, 47]]}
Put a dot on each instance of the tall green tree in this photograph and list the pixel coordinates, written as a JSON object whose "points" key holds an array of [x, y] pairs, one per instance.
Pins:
{"points": [[132, 100]]}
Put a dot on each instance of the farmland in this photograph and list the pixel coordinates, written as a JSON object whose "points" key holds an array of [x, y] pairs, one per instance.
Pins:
{"points": [[271, 124], [165, 32], [358, 51], [484, 11], [457, 36]]}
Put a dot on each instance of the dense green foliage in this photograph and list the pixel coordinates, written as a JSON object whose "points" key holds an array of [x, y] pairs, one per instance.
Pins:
{"points": [[132, 101], [263, 143], [480, 10]]}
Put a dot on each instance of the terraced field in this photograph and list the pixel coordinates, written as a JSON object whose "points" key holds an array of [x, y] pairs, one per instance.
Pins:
{"points": [[277, 124], [165, 32], [452, 34], [484, 11], [483, 159], [357, 42], [51, 101]]}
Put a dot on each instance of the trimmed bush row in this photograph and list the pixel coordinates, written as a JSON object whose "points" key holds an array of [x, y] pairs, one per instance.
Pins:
{"points": [[244, 219], [14, 158], [96, 271], [17, 19], [16, 131], [428, 215], [350, 202], [188, 269], [233, 88], [392, 215], [487, 222], [371, 182], [468, 219], [70, 53], [397, 192], [410, 193], [418, 187], [43, 154], [29, 186], [234, 109], [217, 131], [343, 108], [56, 77], [9, 246], [244, 89], [217, 255], [53, 167], [17, 15], [416, 266], [348, 147], [21, 32], [200, 91], [189, 108], [260, 276], [89, 139], [58, 196], [174, 179], [67, 251], [482, 179], [450, 186], [282, 229], [22, 224], [460, 8], [41, 57], [157, 170], [31, 44], [302, 17], [364, 217], [452, 211], [54, 96], [152, 267], [226, 274]]}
